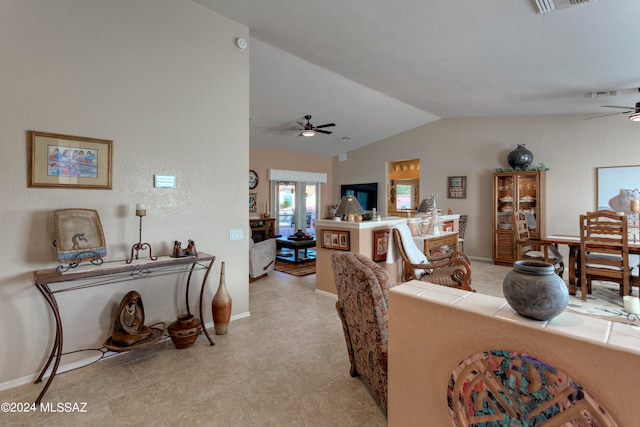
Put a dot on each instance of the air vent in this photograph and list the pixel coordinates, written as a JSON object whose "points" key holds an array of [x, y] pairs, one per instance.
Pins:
{"points": [[602, 94], [549, 5]]}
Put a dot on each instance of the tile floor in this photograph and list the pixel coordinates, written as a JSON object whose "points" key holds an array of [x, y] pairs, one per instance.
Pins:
{"points": [[286, 364]]}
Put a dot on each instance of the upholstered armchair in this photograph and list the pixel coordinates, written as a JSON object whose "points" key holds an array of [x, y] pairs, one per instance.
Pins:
{"points": [[362, 287], [262, 258]]}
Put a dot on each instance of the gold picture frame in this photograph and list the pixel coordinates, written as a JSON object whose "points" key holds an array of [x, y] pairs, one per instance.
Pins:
{"points": [[335, 239], [57, 160]]}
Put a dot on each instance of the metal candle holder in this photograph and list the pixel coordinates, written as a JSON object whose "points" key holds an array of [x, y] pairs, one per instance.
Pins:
{"points": [[137, 247]]}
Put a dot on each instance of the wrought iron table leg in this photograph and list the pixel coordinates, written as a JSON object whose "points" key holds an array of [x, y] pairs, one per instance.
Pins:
{"points": [[56, 351], [204, 282]]}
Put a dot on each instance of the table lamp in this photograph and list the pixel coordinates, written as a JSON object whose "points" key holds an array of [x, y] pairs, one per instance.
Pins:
{"points": [[349, 207]]}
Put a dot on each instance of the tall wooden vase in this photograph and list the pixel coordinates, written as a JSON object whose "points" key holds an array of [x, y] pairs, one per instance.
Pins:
{"points": [[221, 306]]}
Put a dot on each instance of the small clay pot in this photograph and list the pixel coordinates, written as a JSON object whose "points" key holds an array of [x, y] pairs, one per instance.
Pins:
{"points": [[185, 330]]}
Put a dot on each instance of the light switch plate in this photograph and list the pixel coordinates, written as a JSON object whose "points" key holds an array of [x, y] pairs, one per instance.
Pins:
{"points": [[235, 234]]}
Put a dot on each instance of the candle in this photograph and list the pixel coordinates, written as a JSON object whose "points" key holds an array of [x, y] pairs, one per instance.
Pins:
{"points": [[141, 209], [632, 304], [634, 205]]}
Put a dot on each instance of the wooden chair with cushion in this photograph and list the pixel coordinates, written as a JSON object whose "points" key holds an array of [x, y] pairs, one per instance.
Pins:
{"points": [[362, 287], [452, 269], [604, 250], [462, 227], [527, 248]]}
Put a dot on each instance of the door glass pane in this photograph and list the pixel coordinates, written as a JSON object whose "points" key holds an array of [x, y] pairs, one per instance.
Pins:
{"points": [[286, 208], [311, 201]]}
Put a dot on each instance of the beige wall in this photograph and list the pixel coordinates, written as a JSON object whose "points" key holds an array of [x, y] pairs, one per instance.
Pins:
{"points": [[262, 159], [571, 147], [164, 81]]}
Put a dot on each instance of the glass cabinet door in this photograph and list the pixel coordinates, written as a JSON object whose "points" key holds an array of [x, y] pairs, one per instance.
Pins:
{"points": [[506, 201], [528, 199]]}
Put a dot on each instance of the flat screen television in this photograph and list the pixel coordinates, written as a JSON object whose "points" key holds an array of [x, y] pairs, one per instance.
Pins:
{"points": [[367, 194]]}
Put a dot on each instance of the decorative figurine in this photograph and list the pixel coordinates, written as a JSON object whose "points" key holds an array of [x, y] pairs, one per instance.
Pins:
{"points": [[129, 327], [190, 250]]}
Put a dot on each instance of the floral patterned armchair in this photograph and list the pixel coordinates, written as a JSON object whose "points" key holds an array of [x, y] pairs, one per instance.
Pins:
{"points": [[362, 287]]}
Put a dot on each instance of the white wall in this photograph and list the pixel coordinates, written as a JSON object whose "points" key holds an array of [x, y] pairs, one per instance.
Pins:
{"points": [[164, 81], [571, 147]]}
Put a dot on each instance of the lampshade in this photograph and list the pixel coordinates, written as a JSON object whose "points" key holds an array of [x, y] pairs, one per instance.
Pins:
{"points": [[308, 132], [425, 205], [349, 205]]}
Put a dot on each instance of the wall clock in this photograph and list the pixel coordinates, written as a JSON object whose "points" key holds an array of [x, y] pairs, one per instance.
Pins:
{"points": [[253, 179]]}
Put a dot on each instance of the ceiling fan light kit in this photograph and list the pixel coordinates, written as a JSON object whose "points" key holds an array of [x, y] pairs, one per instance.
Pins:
{"points": [[310, 130], [635, 117]]}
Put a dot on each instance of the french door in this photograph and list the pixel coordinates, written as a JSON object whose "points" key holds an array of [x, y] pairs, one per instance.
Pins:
{"points": [[297, 207]]}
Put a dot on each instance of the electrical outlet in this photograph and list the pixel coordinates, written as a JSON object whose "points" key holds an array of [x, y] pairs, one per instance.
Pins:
{"points": [[235, 234]]}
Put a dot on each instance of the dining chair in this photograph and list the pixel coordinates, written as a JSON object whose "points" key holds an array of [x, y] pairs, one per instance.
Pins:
{"points": [[462, 226], [527, 248], [604, 250]]}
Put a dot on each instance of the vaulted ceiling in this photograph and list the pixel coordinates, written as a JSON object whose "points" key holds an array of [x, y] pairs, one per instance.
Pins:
{"points": [[379, 68]]}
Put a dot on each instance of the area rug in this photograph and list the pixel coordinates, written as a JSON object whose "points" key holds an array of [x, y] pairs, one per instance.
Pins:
{"points": [[300, 269]]}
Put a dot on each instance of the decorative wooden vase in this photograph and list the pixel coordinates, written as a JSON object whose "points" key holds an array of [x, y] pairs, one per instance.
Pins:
{"points": [[221, 306], [184, 331]]}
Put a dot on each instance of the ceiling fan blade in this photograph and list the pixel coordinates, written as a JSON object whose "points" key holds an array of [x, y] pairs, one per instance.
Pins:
{"points": [[617, 106], [325, 125], [605, 115], [301, 124], [323, 131]]}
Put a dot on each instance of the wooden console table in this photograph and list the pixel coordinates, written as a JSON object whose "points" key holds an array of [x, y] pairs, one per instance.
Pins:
{"points": [[109, 273], [431, 242]]}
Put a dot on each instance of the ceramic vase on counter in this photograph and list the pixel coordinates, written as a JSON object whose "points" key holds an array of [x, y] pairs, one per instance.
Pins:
{"points": [[221, 306], [534, 290]]}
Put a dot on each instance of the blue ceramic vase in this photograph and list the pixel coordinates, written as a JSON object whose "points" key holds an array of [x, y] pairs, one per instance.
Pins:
{"points": [[535, 291]]}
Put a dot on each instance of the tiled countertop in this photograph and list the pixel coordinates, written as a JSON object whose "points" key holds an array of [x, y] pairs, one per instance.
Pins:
{"points": [[615, 335]]}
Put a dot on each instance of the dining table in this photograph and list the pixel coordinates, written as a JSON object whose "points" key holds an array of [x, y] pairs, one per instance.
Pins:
{"points": [[573, 242]]}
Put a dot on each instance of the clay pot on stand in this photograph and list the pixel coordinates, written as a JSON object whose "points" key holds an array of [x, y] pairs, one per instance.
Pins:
{"points": [[185, 330], [534, 290], [221, 306]]}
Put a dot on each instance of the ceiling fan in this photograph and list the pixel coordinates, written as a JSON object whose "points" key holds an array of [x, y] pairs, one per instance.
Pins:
{"points": [[635, 117], [310, 130]]}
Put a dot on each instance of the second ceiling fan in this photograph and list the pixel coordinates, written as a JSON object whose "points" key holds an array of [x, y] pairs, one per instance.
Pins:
{"points": [[635, 110], [309, 130]]}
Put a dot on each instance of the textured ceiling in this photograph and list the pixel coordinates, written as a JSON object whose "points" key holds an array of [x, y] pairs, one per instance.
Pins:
{"points": [[379, 68]]}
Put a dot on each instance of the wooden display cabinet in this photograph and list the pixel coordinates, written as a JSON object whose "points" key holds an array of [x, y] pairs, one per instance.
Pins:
{"points": [[262, 228], [516, 191]]}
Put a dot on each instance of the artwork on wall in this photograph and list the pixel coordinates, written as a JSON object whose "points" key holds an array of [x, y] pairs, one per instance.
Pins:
{"points": [[616, 187], [335, 239], [69, 161], [457, 188], [253, 202], [380, 244]]}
